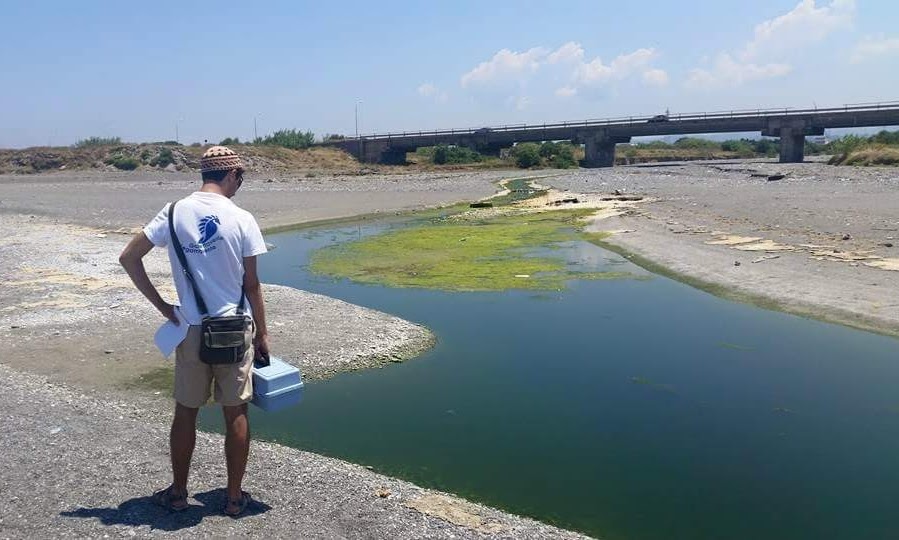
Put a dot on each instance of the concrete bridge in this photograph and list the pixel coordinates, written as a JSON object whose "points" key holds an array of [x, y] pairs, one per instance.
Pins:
{"points": [[599, 137]]}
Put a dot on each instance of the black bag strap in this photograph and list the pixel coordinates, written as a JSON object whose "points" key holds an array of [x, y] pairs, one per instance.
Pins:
{"points": [[179, 251]]}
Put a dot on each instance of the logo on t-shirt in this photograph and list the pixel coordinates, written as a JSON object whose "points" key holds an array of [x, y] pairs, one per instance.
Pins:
{"points": [[208, 226]]}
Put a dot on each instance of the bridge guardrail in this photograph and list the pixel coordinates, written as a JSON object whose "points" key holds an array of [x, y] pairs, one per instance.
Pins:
{"points": [[631, 120]]}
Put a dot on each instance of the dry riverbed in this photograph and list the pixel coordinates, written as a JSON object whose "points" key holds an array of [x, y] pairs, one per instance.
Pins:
{"points": [[85, 420], [808, 238], [86, 438]]}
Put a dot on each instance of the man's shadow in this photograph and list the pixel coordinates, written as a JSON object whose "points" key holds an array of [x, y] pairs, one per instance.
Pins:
{"points": [[143, 511]]}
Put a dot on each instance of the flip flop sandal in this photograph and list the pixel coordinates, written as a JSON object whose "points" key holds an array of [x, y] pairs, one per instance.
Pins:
{"points": [[241, 503], [166, 499]]}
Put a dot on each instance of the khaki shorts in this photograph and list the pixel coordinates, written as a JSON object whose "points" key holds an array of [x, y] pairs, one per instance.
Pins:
{"points": [[193, 378]]}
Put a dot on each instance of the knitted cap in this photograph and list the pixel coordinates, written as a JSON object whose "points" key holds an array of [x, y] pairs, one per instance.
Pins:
{"points": [[219, 158]]}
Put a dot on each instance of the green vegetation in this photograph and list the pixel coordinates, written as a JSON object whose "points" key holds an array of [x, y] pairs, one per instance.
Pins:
{"points": [[558, 155], [228, 141], [443, 154], [876, 154], [468, 250], [98, 141], [124, 163], [526, 155], [160, 379], [163, 159], [687, 148], [287, 138], [473, 251], [879, 149]]}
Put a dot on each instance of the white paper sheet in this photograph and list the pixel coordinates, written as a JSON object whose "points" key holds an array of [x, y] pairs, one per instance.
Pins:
{"points": [[170, 335]]}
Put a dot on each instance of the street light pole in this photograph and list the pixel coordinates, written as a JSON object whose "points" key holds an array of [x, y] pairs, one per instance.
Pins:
{"points": [[358, 139]]}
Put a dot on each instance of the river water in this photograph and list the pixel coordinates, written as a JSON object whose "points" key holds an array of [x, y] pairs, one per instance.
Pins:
{"points": [[635, 408]]}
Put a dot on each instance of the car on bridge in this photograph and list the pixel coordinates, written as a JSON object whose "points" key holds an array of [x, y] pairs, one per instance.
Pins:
{"points": [[658, 118]]}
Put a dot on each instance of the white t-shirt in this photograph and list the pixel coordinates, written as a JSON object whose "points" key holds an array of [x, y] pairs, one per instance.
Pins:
{"points": [[215, 235]]}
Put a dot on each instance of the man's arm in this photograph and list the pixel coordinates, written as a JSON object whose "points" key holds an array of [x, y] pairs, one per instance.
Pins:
{"points": [[253, 290], [131, 260]]}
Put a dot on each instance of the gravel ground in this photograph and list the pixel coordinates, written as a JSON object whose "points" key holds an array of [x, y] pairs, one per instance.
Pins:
{"points": [[81, 462], [85, 442], [78, 467], [117, 201], [828, 225]]}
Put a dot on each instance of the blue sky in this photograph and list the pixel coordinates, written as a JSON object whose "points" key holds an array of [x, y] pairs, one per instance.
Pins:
{"points": [[77, 69]]}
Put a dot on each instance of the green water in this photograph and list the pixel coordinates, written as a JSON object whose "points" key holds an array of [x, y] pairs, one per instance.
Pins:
{"points": [[638, 409]]}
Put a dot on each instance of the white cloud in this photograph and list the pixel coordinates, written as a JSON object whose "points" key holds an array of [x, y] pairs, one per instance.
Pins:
{"points": [[773, 42], [570, 52], [727, 72], [514, 76], [655, 77], [596, 73], [429, 90], [804, 24], [871, 47], [505, 65]]}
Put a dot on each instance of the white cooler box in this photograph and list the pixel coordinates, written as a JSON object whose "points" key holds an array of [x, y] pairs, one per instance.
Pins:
{"points": [[276, 386]]}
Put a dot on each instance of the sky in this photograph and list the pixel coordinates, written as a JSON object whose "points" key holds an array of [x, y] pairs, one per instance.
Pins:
{"points": [[209, 70]]}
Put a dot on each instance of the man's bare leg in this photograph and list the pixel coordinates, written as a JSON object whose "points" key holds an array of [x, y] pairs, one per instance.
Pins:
{"points": [[237, 450], [182, 439]]}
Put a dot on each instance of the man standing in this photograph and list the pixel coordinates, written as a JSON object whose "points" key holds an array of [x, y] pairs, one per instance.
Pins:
{"points": [[220, 243]]}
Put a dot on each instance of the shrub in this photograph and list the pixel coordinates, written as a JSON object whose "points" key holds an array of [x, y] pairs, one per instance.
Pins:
{"points": [[288, 138], [98, 141], [847, 144], [454, 154], [164, 159], [526, 154], [875, 154], [696, 143], [124, 163], [742, 147], [548, 149], [227, 141], [886, 137], [564, 157], [333, 137]]}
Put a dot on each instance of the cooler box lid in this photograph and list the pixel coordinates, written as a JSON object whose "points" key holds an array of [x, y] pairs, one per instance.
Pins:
{"points": [[277, 376]]}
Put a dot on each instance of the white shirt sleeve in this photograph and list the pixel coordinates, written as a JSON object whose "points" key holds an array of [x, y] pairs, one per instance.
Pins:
{"points": [[253, 244], [158, 228]]}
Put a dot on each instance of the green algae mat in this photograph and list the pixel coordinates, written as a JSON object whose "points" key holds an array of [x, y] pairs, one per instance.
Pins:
{"points": [[485, 249]]}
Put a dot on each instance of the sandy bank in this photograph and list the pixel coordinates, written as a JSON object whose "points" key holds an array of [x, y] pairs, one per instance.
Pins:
{"points": [[818, 242]]}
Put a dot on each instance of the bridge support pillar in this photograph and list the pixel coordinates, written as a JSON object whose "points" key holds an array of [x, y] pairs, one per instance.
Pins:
{"points": [[599, 150], [792, 146], [792, 132]]}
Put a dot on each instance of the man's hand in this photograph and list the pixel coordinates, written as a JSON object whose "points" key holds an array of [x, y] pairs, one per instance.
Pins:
{"points": [[260, 344], [168, 311]]}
